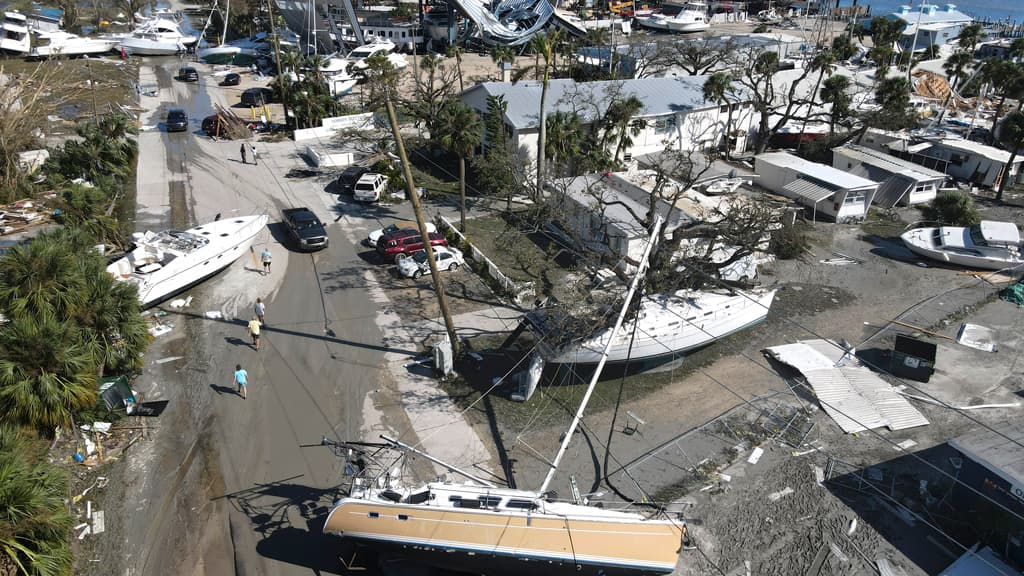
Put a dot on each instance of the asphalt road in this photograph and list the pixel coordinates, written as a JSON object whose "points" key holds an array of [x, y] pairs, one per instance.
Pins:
{"points": [[230, 485]]}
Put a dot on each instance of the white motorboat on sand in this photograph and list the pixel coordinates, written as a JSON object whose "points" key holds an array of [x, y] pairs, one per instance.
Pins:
{"points": [[990, 245], [60, 43], [165, 263], [684, 17], [157, 38]]}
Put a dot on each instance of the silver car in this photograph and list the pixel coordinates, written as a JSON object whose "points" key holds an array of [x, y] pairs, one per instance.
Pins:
{"points": [[447, 258]]}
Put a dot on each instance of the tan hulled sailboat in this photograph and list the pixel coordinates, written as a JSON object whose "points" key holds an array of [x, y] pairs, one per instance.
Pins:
{"points": [[475, 526]]}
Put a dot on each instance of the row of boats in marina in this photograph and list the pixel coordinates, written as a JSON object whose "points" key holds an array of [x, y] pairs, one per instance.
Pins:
{"points": [[155, 36]]}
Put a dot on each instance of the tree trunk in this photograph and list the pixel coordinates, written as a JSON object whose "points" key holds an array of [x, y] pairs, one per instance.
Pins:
{"points": [[995, 120], [1006, 174], [728, 131], [542, 137], [462, 193]]}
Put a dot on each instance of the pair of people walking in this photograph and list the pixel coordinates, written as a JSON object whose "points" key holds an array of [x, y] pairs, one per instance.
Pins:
{"points": [[244, 150], [257, 322]]}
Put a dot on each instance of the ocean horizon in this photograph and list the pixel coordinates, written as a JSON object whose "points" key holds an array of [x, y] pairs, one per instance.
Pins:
{"points": [[997, 10]]}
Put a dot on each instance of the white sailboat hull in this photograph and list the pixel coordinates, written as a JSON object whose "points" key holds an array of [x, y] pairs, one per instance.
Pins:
{"points": [[670, 326], [228, 239], [144, 47]]}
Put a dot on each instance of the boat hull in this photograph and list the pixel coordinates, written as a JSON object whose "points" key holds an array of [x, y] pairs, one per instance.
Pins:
{"points": [[483, 541], [920, 242], [677, 332], [70, 50], [219, 55]]}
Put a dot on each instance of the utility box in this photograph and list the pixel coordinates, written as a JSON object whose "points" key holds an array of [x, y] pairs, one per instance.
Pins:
{"points": [[443, 361], [913, 358]]}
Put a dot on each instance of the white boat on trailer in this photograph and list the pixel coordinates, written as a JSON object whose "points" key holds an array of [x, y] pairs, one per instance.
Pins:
{"points": [[476, 526], [990, 245], [165, 263]]}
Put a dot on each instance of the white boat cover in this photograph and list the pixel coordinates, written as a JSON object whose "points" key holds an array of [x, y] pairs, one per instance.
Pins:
{"points": [[854, 396]]}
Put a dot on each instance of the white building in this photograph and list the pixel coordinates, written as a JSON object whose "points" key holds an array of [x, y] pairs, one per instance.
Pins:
{"points": [[600, 212], [827, 191], [929, 24], [901, 181], [674, 115], [974, 162]]}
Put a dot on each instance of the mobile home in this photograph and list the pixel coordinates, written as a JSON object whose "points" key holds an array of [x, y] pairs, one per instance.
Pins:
{"points": [[828, 192]]}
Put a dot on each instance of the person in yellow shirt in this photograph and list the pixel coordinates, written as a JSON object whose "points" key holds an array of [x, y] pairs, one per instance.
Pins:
{"points": [[254, 331]]}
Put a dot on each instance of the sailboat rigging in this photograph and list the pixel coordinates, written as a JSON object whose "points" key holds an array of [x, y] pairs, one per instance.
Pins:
{"points": [[475, 526]]}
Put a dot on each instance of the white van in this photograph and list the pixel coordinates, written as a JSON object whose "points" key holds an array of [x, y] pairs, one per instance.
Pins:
{"points": [[369, 187]]}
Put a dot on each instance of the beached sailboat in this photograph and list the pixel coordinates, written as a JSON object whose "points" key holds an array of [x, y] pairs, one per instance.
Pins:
{"points": [[476, 526], [990, 245], [224, 53], [165, 263]]}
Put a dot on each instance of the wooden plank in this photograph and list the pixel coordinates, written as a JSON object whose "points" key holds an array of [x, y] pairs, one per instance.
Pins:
{"points": [[920, 329]]}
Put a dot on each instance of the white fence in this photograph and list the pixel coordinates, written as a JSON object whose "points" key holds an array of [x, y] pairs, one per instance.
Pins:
{"points": [[521, 291]]}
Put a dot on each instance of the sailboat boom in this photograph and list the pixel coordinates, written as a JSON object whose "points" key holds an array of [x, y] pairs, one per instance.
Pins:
{"points": [[641, 271]]}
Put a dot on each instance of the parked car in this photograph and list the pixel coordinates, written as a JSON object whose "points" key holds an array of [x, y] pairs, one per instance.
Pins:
{"points": [[369, 187], [306, 230], [188, 74], [348, 178], [398, 245], [231, 80], [373, 237], [177, 120], [214, 126], [416, 265], [256, 96]]}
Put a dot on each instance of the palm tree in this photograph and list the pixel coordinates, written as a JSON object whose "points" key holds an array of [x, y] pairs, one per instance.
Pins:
{"points": [[834, 92], [46, 372], [621, 125], [40, 278], [460, 133], [956, 66], [543, 46], [715, 89], [1011, 135], [502, 54], [112, 325], [563, 143], [34, 524], [969, 37], [1007, 80]]}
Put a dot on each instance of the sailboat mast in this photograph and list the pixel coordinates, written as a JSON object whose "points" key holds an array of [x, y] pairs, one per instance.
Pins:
{"points": [[604, 356], [227, 13]]}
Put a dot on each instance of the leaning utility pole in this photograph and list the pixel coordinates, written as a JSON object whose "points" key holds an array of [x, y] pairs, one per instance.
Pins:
{"points": [[410, 190]]}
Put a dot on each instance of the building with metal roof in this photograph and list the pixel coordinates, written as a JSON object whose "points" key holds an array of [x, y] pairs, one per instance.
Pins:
{"points": [[827, 191], [984, 562], [930, 24], [992, 488], [901, 181], [674, 114], [975, 162]]}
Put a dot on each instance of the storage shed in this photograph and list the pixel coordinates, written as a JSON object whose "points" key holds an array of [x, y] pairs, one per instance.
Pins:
{"points": [[902, 182], [827, 191]]}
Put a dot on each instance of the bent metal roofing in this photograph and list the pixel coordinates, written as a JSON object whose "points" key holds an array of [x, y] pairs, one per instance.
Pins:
{"points": [[825, 175], [660, 96]]}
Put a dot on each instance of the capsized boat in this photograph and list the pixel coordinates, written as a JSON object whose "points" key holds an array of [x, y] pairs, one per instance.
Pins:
{"points": [[60, 43], [478, 527], [165, 263], [990, 245], [666, 325]]}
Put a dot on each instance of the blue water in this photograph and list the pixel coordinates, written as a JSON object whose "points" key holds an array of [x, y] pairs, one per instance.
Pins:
{"points": [[990, 9]]}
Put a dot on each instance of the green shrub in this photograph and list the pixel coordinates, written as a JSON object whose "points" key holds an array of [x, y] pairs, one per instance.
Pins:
{"points": [[788, 242], [954, 208]]}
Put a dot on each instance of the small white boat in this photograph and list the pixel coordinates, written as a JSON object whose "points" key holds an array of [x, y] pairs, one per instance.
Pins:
{"points": [[165, 263], [14, 36], [723, 186], [157, 38], [339, 81], [357, 57], [682, 17], [669, 324], [990, 245], [60, 43]]}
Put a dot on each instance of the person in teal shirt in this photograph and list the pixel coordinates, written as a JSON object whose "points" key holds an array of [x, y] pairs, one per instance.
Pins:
{"points": [[241, 380]]}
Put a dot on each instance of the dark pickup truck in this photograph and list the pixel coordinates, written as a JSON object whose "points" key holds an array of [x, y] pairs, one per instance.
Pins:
{"points": [[305, 228]]}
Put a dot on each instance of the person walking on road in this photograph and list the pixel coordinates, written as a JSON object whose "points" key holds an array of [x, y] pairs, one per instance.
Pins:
{"points": [[254, 331], [241, 380], [242, 152], [253, 149], [260, 309], [265, 256]]}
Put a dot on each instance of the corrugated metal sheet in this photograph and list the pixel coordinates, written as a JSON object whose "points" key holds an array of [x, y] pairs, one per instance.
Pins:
{"points": [[852, 395], [808, 190]]}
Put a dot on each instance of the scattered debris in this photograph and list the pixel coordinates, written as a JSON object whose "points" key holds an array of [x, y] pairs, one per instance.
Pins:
{"points": [[169, 359], [214, 314], [101, 427], [180, 302], [159, 329], [98, 522], [852, 528], [905, 445], [775, 496], [978, 337]]}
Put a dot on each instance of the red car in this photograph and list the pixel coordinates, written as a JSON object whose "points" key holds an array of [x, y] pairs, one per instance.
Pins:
{"points": [[403, 243]]}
